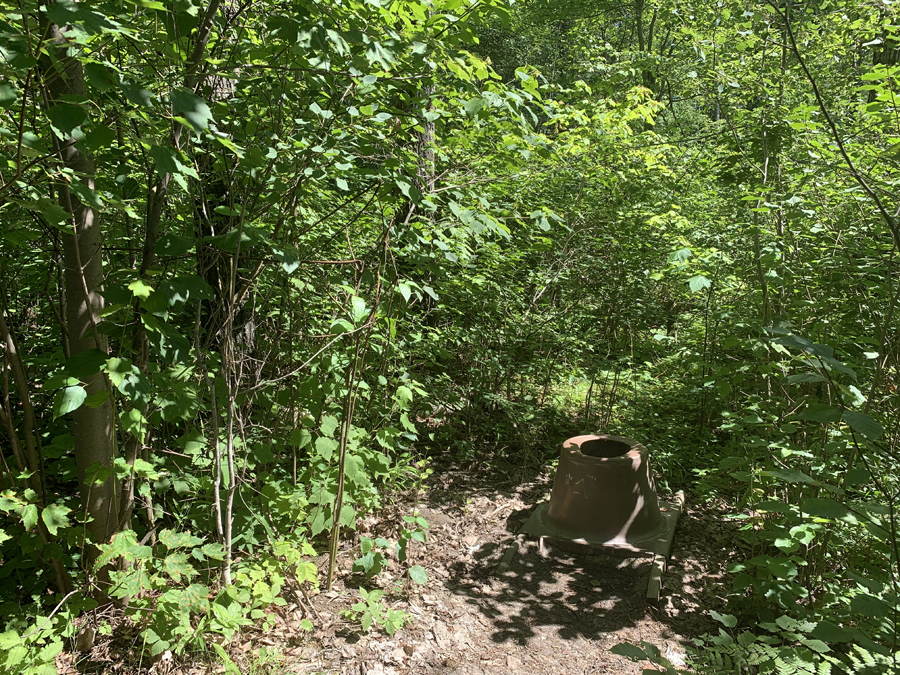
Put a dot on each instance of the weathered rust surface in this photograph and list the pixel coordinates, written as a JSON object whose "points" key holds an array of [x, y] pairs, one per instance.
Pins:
{"points": [[604, 501], [604, 492]]}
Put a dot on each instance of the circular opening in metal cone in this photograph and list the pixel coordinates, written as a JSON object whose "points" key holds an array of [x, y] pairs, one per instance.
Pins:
{"points": [[604, 447]]}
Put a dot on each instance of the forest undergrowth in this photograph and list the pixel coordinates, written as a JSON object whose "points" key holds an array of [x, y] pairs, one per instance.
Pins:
{"points": [[259, 262]]}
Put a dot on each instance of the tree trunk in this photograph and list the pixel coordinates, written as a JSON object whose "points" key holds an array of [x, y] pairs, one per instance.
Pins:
{"points": [[83, 260]]}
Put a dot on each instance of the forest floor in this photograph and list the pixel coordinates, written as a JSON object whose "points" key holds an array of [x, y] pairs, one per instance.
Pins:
{"points": [[544, 615]]}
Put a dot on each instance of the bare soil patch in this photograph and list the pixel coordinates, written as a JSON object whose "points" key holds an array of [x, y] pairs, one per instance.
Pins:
{"points": [[546, 614]]}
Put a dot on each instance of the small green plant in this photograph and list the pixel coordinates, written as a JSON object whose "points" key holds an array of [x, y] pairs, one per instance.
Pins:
{"points": [[175, 611], [374, 552], [371, 562], [373, 611], [231, 668], [30, 645], [788, 646], [647, 652], [415, 530]]}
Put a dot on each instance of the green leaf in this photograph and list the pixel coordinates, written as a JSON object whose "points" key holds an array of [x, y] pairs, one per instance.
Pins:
{"points": [[194, 598], [9, 501], [168, 160], [824, 414], [679, 256], [172, 539], [98, 137], [67, 12], [124, 545], [803, 378], [287, 256], [823, 507], [728, 620], [54, 517], [407, 424], [405, 290], [192, 108], [29, 516], [8, 95], [173, 245], [340, 326], [136, 388], [51, 211], [67, 400], [798, 342], [325, 447], [97, 399], [698, 283], [857, 476], [348, 516], [789, 476], [100, 76], [358, 310], [300, 438], [136, 94], [214, 551], [829, 632], [355, 470], [66, 117], [175, 293], [863, 424], [134, 423], [140, 289], [127, 584], [404, 394], [369, 564], [86, 364], [869, 605], [418, 574], [473, 106], [176, 566], [629, 651], [145, 469], [118, 369], [816, 645], [9, 639], [60, 379], [329, 425]]}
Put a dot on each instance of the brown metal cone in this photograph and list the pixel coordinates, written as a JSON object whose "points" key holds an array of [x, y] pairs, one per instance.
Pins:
{"points": [[603, 492]]}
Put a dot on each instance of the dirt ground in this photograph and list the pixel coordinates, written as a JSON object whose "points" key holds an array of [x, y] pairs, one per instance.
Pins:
{"points": [[550, 614]]}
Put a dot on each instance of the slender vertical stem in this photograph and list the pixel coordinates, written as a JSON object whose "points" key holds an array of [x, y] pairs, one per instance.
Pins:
{"points": [[349, 404]]}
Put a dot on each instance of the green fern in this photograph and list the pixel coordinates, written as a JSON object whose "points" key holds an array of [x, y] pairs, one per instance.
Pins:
{"points": [[753, 654], [860, 661]]}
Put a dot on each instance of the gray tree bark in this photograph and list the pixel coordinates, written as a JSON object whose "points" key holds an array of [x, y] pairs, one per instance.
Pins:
{"points": [[93, 427]]}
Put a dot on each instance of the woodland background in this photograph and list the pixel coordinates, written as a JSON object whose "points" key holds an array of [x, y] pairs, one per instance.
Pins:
{"points": [[260, 260]]}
